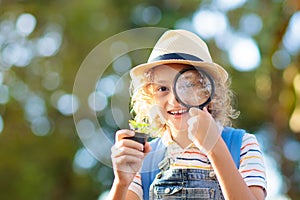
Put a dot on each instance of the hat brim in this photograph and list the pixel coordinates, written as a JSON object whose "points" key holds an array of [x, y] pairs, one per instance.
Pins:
{"points": [[215, 70]]}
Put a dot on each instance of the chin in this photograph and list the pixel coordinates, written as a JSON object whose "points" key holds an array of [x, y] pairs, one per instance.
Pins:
{"points": [[178, 126]]}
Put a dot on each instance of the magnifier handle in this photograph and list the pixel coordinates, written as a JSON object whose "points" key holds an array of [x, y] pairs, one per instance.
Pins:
{"points": [[199, 107]]}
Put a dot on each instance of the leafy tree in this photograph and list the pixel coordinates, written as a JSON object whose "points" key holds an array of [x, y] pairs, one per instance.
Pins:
{"points": [[38, 66]]}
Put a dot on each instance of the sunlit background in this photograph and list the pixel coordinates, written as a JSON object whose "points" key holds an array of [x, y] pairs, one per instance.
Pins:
{"points": [[43, 43]]}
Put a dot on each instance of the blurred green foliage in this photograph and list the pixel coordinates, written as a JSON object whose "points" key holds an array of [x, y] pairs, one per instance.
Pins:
{"points": [[37, 159]]}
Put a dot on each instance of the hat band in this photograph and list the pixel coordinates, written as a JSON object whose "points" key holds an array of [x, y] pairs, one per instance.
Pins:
{"points": [[176, 56]]}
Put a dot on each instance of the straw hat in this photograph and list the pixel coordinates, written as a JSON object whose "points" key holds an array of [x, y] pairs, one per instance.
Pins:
{"points": [[179, 47]]}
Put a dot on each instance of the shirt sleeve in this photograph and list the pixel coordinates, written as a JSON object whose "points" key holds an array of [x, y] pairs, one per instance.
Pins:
{"points": [[252, 167], [136, 186]]}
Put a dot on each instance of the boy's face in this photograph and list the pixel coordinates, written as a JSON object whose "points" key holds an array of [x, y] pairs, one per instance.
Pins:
{"points": [[162, 90]]}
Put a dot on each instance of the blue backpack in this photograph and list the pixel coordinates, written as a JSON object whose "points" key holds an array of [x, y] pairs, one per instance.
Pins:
{"points": [[232, 137]]}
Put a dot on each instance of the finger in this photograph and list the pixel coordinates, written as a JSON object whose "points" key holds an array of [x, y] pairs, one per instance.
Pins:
{"points": [[205, 109], [128, 164], [127, 159], [125, 151], [120, 134], [147, 148], [130, 144], [192, 120], [193, 125], [194, 111], [191, 135]]}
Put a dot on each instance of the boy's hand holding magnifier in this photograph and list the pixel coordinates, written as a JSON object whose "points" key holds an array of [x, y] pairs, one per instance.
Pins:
{"points": [[194, 89]]}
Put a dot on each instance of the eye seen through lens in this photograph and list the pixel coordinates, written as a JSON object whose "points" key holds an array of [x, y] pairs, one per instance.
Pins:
{"points": [[193, 87]]}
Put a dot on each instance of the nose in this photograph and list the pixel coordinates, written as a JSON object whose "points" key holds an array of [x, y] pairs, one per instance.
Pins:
{"points": [[172, 99]]}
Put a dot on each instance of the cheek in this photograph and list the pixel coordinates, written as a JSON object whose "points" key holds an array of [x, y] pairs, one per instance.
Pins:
{"points": [[160, 100]]}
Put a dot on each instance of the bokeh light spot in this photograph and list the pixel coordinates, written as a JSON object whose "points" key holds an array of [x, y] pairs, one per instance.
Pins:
{"points": [[294, 121], [67, 104], [151, 15], [295, 117], [97, 101], [122, 64], [290, 147], [85, 128], [34, 107], [296, 83], [209, 24], [184, 23], [244, 54], [49, 44], [25, 24], [105, 180], [291, 39], [289, 74], [4, 94], [19, 90], [227, 5], [107, 84], [251, 24], [41, 126], [16, 54], [275, 182], [142, 15], [51, 80], [83, 161], [1, 124], [281, 59], [263, 85]]}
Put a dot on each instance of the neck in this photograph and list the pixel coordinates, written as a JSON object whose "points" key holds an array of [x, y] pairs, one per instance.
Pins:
{"points": [[180, 137]]}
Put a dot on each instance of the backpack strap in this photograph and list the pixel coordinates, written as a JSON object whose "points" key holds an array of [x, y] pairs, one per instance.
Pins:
{"points": [[150, 165], [232, 137]]}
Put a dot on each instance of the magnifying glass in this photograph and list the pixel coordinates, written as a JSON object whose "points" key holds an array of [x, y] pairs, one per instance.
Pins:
{"points": [[193, 87]]}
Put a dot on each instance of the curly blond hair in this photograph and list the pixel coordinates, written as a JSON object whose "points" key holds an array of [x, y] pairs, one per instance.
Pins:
{"points": [[220, 107]]}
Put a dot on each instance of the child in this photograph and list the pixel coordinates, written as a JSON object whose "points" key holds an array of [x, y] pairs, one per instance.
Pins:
{"points": [[191, 158]]}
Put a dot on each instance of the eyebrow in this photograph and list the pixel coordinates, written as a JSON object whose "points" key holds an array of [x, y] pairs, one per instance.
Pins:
{"points": [[162, 82]]}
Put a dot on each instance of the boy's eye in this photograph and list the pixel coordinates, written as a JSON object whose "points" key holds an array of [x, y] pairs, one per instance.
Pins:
{"points": [[162, 89]]}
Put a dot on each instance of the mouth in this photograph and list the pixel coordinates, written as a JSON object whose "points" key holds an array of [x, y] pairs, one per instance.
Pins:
{"points": [[177, 112]]}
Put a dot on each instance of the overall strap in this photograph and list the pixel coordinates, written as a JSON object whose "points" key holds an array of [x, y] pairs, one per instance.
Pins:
{"points": [[232, 137]]}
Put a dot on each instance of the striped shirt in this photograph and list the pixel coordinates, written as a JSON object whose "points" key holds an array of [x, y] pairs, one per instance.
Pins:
{"points": [[251, 168]]}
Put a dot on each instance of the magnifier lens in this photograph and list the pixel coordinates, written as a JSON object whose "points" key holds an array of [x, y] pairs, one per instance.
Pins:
{"points": [[193, 88]]}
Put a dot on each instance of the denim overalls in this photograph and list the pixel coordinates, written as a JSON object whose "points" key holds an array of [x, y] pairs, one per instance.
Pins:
{"points": [[185, 184]]}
